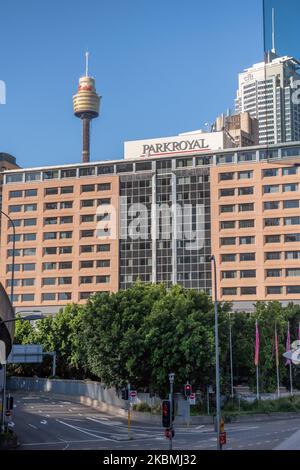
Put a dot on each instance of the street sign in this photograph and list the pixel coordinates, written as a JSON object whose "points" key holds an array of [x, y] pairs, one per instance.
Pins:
{"points": [[223, 438], [192, 399], [29, 353], [2, 352], [133, 393]]}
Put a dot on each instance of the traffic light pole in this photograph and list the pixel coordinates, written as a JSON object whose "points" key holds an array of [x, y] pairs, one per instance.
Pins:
{"points": [[171, 380], [129, 411]]}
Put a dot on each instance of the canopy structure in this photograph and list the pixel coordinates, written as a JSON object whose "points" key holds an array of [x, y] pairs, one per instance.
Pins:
{"points": [[6, 313]]}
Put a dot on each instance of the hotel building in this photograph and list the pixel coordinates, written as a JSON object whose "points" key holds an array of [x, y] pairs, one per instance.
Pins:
{"points": [[100, 226]]}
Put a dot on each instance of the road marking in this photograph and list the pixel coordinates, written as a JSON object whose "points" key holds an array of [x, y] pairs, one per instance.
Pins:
{"points": [[111, 423], [199, 427], [44, 421], [33, 426], [85, 432]]}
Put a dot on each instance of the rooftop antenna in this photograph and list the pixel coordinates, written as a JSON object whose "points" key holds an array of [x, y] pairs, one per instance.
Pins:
{"points": [[87, 63], [273, 31]]}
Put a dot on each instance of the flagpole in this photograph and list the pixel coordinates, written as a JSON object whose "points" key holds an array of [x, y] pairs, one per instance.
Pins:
{"points": [[289, 362], [257, 383], [277, 361], [291, 379]]}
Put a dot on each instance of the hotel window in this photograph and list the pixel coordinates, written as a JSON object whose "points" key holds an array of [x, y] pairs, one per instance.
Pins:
{"points": [[17, 223], [30, 192], [102, 279], [49, 281], [68, 219], [65, 250], [104, 201], [275, 222], [295, 272], [13, 194], [103, 248], [291, 204], [247, 257], [28, 282], [291, 220], [292, 255], [143, 166], [247, 207], [64, 296], [16, 208], [246, 191], [273, 256], [248, 290], [86, 280], [85, 295], [65, 235], [227, 208], [29, 222], [68, 173], [268, 154], [222, 159], [245, 175], [50, 220], [86, 248], [273, 273], [248, 273], [87, 233], [292, 238], [226, 176], [48, 296], [228, 258], [293, 170], [29, 252], [107, 186], [89, 171], [226, 192], [293, 290], [14, 178], [227, 224], [269, 172], [50, 235], [65, 265], [247, 240], [50, 206], [103, 263], [66, 190], [274, 290], [28, 266], [246, 223], [86, 264], [66, 205], [290, 187], [125, 168], [184, 163], [87, 218], [50, 250], [9, 267], [227, 241], [27, 297], [64, 280], [271, 205], [229, 274], [272, 239], [11, 238], [87, 188], [204, 161], [51, 191], [246, 156], [49, 266], [10, 252], [87, 203], [105, 169], [34, 176], [271, 188], [229, 291], [50, 175]]}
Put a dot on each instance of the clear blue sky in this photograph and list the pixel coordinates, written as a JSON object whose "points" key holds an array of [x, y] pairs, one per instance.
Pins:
{"points": [[162, 67]]}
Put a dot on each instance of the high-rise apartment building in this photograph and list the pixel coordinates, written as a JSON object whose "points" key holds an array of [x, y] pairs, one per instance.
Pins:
{"points": [[267, 91], [157, 216]]}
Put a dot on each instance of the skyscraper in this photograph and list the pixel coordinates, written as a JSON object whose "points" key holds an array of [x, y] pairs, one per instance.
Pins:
{"points": [[267, 91]]}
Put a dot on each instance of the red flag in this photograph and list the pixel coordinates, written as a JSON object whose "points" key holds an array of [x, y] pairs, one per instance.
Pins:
{"points": [[276, 347], [288, 344], [256, 360]]}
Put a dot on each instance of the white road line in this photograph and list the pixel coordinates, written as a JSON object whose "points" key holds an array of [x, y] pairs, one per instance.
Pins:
{"points": [[85, 432], [33, 426], [112, 423], [200, 427], [44, 421], [30, 444]]}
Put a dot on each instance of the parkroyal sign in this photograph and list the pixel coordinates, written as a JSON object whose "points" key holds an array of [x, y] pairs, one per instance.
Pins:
{"points": [[181, 144]]}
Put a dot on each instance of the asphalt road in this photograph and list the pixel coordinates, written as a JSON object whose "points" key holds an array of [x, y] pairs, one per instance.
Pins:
{"points": [[43, 421]]}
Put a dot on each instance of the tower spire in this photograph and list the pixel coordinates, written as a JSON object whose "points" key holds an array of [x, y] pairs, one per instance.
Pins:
{"points": [[273, 31], [87, 54]]}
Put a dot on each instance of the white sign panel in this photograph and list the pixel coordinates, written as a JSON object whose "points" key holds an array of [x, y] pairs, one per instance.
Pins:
{"points": [[183, 144], [2, 352]]}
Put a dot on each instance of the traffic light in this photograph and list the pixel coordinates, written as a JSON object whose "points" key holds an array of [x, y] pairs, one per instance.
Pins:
{"points": [[187, 390], [166, 413], [125, 394]]}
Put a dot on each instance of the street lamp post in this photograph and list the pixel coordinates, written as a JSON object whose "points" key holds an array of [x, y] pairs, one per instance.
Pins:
{"points": [[171, 398], [218, 401]]}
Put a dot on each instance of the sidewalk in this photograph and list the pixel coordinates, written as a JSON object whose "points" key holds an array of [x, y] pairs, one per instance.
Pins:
{"points": [[291, 443]]}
